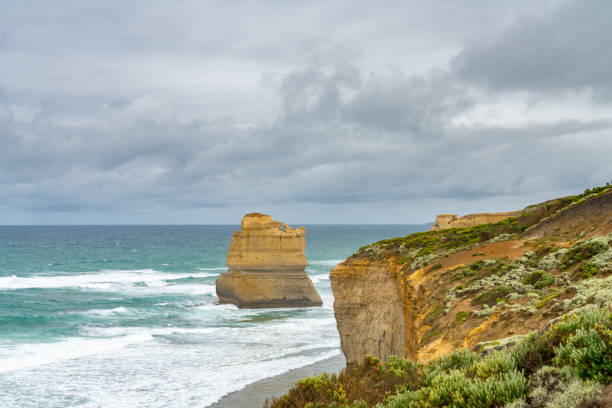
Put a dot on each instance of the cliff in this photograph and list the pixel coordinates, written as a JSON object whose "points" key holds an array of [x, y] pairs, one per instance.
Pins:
{"points": [[266, 266], [444, 221], [427, 294]]}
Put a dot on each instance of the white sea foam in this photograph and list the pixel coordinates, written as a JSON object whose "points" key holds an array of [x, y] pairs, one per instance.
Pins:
{"points": [[109, 312], [32, 355], [327, 262], [219, 268], [250, 353], [214, 307], [108, 279], [120, 332], [319, 278]]}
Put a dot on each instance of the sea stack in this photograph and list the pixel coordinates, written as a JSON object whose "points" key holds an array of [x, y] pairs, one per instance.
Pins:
{"points": [[266, 266]]}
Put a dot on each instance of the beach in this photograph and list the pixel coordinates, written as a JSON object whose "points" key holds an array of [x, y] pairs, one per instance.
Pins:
{"points": [[254, 395]]}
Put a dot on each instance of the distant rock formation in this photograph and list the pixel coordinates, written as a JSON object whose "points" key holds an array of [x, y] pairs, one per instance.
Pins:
{"points": [[444, 221], [266, 266]]}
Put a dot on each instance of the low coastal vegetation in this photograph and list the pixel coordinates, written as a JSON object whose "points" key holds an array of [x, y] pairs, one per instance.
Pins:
{"points": [[567, 365]]}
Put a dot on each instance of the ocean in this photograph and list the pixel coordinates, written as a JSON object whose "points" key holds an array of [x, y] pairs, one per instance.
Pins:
{"points": [[127, 316]]}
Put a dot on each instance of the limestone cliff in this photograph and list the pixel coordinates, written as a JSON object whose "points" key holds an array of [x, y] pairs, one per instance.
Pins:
{"points": [[444, 221], [266, 266], [474, 287]]}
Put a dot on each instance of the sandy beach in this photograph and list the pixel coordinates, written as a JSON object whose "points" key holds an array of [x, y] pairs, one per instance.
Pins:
{"points": [[254, 395]]}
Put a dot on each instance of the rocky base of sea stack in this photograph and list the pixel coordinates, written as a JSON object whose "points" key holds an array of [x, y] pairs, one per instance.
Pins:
{"points": [[247, 289]]}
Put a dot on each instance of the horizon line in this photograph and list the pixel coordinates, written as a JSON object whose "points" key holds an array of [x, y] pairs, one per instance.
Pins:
{"points": [[182, 225]]}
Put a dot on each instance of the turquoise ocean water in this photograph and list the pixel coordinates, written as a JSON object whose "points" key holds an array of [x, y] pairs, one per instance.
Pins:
{"points": [[126, 316]]}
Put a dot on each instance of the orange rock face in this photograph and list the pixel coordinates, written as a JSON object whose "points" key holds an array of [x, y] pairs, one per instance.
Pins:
{"points": [[266, 266]]}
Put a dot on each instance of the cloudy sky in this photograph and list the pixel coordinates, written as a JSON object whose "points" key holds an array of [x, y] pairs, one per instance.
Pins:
{"points": [[197, 112]]}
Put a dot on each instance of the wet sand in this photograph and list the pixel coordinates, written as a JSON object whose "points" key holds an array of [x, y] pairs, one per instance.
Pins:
{"points": [[254, 395]]}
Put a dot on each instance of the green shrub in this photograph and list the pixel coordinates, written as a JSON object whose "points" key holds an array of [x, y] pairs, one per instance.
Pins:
{"points": [[495, 363], [588, 270], [561, 388], [588, 318], [589, 351], [584, 342], [583, 250], [539, 279], [402, 368], [455, 389], [491, 296], [546, 280], [461, 316], [464, 273], [545, 250], [478, 265], [358, 386], [532, 352], [456, 360]]}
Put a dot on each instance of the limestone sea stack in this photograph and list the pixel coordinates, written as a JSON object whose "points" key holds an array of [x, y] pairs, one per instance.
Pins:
{"points": [[266, 266]]}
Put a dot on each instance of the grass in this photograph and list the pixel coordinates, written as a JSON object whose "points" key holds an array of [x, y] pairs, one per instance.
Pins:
{"points": [[567, 365]]}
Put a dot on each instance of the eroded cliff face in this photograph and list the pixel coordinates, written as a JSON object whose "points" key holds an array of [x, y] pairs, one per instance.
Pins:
{"points": [[430, 293], [366, 305], [265, 244], [444, 221], [266, 266]]}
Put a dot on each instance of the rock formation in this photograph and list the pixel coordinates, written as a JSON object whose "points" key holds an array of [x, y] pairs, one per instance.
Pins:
{"points": [[266, 266], [429, 293], [444, 221]]}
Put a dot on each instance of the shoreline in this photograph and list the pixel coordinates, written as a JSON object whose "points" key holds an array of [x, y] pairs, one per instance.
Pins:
{"points": [[255, 394]]}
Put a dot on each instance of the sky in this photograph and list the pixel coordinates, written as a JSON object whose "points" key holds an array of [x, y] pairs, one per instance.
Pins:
{"points": [[315, 112]]}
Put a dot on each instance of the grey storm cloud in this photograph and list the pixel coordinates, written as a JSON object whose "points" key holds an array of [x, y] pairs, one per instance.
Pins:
{"points": [[109, 109], [566, 48]]}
